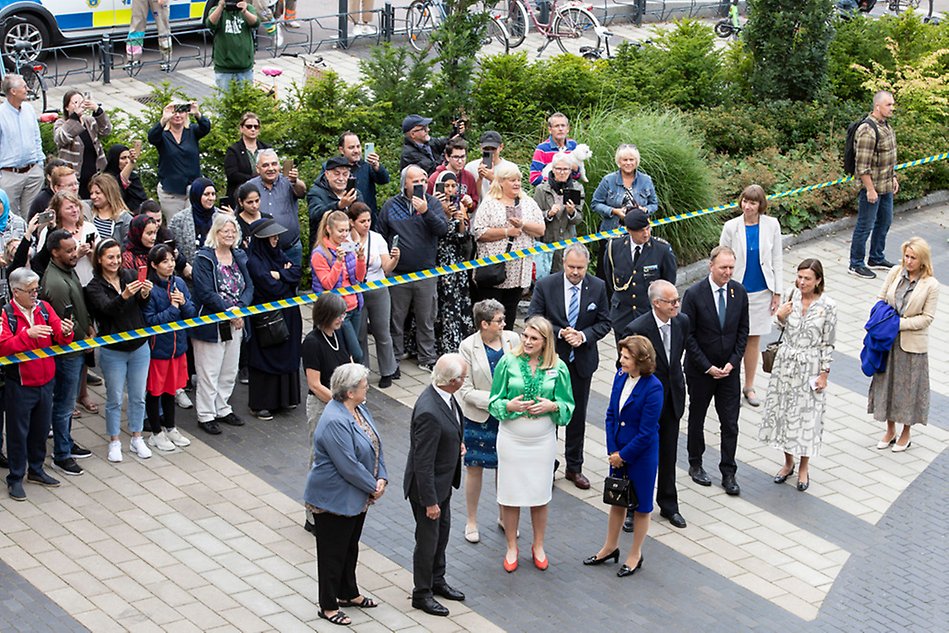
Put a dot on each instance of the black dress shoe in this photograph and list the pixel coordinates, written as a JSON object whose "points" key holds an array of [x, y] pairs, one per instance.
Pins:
{"points": [[211, 426], [593, 560], [730, 485], [803, 485], [447, 592], [674, 518], [780, 479], [628, 522], [699, 476], [626, 570], [429, 606]]}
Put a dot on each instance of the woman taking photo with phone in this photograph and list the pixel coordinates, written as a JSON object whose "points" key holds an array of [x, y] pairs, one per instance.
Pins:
{"points": [[78, 136], [120, 164], [337, 261], [67, 208], [240, 159], [454, 295], [115, 298], [143, 231]]}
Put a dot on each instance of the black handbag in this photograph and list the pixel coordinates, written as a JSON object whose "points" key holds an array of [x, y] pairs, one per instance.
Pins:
{"points": [[270, 329], [493, 275], [770, 352], [618, 491]]}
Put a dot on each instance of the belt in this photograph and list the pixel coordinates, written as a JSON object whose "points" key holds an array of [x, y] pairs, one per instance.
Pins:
{"points": [[18, 170]]}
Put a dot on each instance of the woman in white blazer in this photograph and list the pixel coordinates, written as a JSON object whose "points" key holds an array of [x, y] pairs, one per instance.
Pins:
{"points": [[756, 240], [901, 392], [482, 350]]}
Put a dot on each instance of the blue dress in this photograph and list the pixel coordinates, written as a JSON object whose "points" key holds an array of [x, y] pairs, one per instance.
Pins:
{"points": [[632, 429], [481, 438]]}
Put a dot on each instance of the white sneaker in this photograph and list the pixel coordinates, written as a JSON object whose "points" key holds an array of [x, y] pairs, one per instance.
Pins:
{"points": [[176, 438], [358, 29], [115, 451], [292, 24], [368, 29], [137, 446], [161, 442], [279, 36], [182, 399]]}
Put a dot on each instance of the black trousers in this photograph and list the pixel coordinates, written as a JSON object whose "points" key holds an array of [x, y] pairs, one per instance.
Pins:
{"points": [[29, 413], [727, 394], [431, 540], [667, 498], [337, 551], [573, 440]]}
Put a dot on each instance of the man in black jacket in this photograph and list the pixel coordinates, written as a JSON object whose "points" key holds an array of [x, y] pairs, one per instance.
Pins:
{"points": [[432, 469], [717, 308], [418, 146]]}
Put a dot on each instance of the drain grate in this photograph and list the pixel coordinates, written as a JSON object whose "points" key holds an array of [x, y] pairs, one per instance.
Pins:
{"points": [[149, 99]]}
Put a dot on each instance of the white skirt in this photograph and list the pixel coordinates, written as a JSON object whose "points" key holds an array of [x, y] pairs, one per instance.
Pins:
{"points": [[526, 448], [759, 313]]}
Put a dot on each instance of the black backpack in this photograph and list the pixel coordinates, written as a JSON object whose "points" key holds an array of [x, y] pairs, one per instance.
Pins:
{"points": [[850, 148]]}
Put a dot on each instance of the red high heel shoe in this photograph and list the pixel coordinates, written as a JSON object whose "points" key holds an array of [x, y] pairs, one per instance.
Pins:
{"points": [[511, 567], [540, 564]]}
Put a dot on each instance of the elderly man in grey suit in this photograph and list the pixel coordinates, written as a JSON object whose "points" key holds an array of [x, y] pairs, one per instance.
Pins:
{"points": [[432, 469]]}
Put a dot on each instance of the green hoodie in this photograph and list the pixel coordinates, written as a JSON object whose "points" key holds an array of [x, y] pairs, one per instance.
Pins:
{"points": [[233, 42]]}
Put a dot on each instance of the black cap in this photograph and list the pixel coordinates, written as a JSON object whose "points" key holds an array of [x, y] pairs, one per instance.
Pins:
{"points": [[337, 161], [636, 220], [413, 120], [267, 228], [490, 139]]}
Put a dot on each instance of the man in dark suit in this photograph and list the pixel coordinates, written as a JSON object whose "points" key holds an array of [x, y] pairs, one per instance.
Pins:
{"points": [[667, 330], [632, 263], [432, 469], [717, 308], [575, 303]]}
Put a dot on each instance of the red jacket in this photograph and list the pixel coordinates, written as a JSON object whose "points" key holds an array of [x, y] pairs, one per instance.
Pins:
{"points": [[33, 373]]}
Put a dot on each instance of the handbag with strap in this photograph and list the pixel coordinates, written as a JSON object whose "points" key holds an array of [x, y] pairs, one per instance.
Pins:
{"points": [[618, 491], [494, 275], [270, 329], [770, 352]]}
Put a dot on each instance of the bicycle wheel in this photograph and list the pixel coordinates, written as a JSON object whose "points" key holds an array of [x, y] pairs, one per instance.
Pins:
{"points": [[513, 15], [35, 86], [496, 38], [576, 30], [420, 22]]}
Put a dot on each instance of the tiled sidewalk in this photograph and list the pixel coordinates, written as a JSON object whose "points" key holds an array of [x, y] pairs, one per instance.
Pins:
{"points": [[209, 538]]}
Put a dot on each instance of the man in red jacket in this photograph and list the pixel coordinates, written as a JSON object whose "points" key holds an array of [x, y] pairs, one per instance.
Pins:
{"points": [[28, 323]]}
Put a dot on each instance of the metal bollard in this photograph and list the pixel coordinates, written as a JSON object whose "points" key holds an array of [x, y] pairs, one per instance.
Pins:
{"points": [[343, 23], [388, 22], [106, 59]]}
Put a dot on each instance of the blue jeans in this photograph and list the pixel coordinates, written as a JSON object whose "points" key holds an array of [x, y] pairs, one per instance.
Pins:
{"points": [[873, 221], [121, 369], [28, 415], [350, 332], [68, 369], [223, 80]]}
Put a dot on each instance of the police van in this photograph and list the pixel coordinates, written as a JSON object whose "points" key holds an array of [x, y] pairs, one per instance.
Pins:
{"points": [[45, 23]]}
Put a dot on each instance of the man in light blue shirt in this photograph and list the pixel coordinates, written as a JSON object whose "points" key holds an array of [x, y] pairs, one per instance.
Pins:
{"points": [[21, 147]]}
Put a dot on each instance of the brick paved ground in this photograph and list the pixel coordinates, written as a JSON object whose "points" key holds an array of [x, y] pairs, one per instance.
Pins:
{"points": [[209, 539]]}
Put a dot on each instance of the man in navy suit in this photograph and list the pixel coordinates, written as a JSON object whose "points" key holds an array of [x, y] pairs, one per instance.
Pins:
{"points": [[717, 308], [432, 469], [667, 330], [575, 303]]}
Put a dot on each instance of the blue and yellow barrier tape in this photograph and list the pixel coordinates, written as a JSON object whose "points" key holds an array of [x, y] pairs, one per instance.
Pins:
{"points": [[310, 297]]}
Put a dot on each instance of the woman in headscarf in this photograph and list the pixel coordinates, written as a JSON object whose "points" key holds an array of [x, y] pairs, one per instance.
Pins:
{"points": [[191, 225], [274, 370], [143, 232], [120, 163]]}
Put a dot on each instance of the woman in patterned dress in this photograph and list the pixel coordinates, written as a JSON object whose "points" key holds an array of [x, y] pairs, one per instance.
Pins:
{"points": [[454, 301], [482, 350], [794, 409]]}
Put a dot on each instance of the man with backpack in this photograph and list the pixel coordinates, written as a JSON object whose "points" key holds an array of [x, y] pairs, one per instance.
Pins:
{"points": [[873, 152]]}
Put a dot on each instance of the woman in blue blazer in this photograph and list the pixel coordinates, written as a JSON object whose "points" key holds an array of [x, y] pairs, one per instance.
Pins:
{"points": [[348, 475], [632, 443]]}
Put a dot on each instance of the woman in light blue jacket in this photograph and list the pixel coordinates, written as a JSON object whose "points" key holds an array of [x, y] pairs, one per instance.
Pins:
{"points": [[624, 189], [348, 475]]}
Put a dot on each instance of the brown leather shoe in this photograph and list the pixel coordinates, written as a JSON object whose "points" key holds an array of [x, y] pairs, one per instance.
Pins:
{"points": [[579, 480]]}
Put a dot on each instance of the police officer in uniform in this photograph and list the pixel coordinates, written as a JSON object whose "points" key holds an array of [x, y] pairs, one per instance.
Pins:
{"points": [[632, 263]]}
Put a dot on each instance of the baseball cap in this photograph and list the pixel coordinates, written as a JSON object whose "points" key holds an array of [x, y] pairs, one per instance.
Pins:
{"points": [[490, 139], [337, 161], [413, 120]]}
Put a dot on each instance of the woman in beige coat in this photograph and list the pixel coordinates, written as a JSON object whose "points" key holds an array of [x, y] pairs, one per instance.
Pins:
{"points": [[482, 350], [79, 134], [901, 393]]}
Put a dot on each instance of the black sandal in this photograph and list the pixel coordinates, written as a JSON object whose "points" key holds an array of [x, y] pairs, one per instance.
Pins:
{"points": [[365, 603], [340, 618]]}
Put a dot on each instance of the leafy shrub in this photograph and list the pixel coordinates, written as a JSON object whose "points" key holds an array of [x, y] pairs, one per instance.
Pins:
{"points": [[672, 156], [734, 130], [397, 75], [503, 93], [567, 83]]}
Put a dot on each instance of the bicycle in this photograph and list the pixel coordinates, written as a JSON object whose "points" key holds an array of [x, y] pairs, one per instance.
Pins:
{"points": [[572, 23], [898, 6], [424, 16], [23, 62]]}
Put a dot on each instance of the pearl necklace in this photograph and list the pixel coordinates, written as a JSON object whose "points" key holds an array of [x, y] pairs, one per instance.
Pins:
{"points": [[334, 348]]}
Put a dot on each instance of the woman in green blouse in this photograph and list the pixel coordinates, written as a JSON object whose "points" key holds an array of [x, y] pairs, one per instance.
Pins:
{"points": [[530, 396]]}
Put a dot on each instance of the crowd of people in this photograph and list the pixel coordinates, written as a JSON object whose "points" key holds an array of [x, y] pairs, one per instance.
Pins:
{"points": [[86, 252]]}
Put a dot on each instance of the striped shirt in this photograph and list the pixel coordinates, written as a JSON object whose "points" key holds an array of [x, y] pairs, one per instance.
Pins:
{"points": [[543, 156]]}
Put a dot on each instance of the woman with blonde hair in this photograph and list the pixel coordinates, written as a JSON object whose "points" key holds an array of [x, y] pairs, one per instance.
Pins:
{"points": [[901, 393], [756, 240], [109, 214], [530, 396], [507, 219]]}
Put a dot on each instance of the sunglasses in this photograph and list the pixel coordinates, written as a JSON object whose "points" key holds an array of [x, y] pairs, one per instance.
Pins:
{"points": [[252, 126]]}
